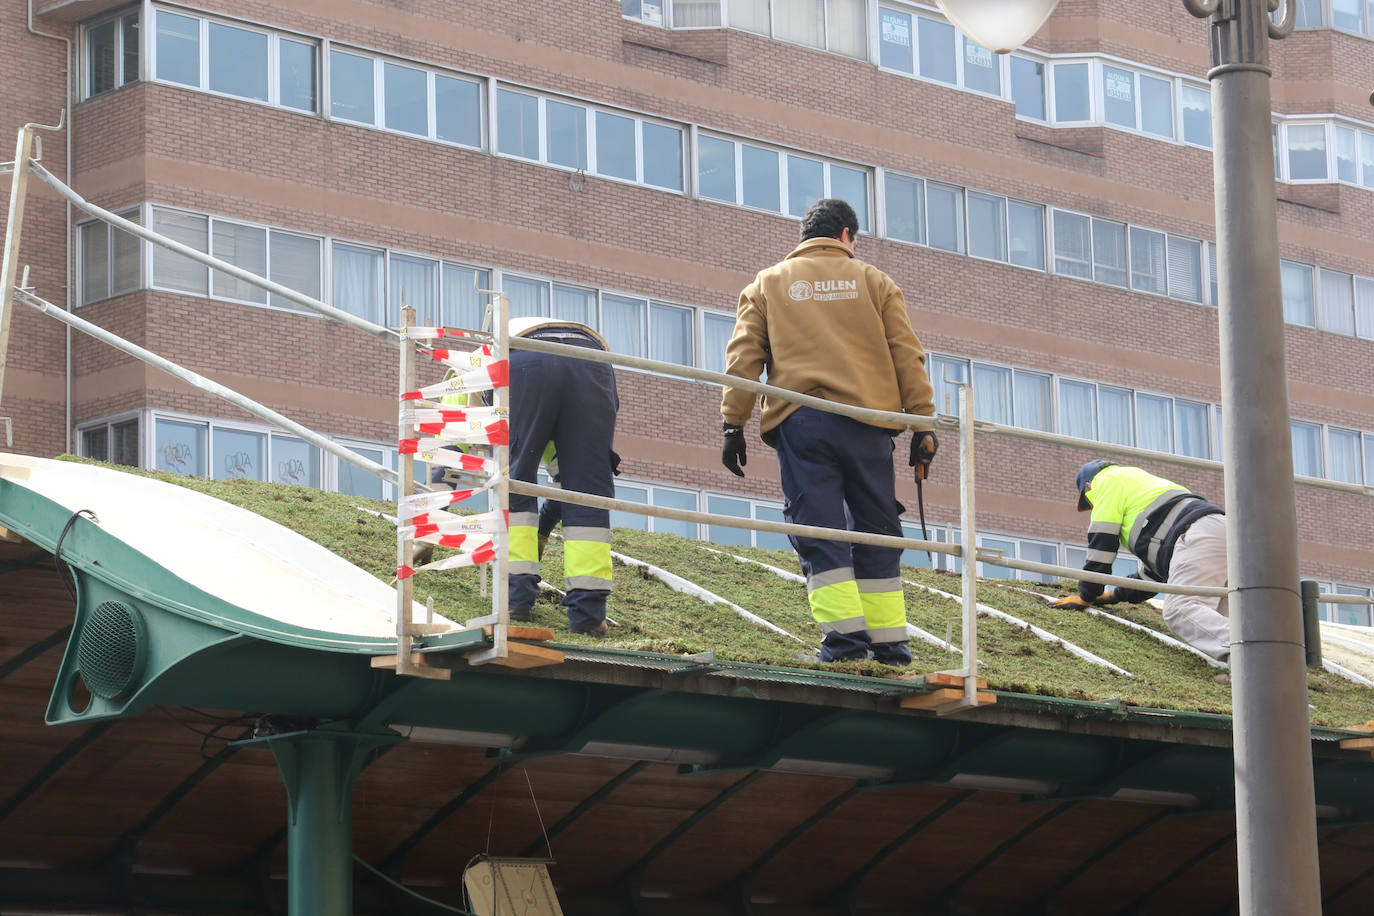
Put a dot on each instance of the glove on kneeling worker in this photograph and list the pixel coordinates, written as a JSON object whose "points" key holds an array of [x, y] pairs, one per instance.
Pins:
{"points": [[924, 445]]}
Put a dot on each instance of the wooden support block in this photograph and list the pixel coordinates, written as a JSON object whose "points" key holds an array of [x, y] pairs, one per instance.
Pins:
{"points": [[14, 471], [943, 696], [523, 655], [418, 666], [9, 536], [427, 629], [1367, 727], [945, 679], [1358, 744], [536, 634]]}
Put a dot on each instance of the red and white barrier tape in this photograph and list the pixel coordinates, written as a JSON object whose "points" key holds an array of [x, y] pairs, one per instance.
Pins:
{"points": [[495, 375], [483, 554]]}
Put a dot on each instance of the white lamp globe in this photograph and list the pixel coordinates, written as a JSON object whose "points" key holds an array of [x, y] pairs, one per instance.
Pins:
{"points": [[999, 25]]}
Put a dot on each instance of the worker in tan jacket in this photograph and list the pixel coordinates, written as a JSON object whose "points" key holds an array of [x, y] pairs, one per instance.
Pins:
{"points": [[824, 323]]}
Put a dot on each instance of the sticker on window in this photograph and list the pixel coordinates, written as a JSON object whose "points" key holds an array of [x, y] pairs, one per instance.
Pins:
{"points": [[1118, 85], [896, 29]]}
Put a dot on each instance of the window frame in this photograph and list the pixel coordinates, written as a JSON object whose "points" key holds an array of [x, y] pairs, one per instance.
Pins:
{"points": [[78, 242], [121, 79]]}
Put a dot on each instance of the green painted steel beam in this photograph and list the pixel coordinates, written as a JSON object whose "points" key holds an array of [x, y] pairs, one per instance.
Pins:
{"points": [[52, 767]]}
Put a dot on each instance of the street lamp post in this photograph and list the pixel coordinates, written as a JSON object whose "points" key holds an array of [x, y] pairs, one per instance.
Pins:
{"points": [[1276, 826]]}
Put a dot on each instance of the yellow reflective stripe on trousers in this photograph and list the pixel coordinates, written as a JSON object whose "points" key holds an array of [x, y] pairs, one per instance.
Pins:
{"points": [[587, 564], [884, 615], [836, 607], [524, 550]]}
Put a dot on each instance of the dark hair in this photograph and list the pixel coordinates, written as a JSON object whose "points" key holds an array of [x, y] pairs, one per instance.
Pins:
{"points": [[827, 218]]}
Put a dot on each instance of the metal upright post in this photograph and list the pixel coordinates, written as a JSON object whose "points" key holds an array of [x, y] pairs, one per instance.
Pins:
{"points": [[970, 545], [14, 225], [1276, 829], [405, 547], [501, 454]]}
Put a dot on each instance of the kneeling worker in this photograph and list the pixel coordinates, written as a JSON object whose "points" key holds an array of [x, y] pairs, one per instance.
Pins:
{"points": [[571, 403], [1180, 538]]}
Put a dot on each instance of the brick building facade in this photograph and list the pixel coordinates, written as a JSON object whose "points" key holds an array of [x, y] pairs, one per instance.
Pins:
{"points": [[1048, 214]]}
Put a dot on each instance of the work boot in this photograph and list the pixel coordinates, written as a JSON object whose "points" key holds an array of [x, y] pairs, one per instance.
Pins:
{"points": [[522, 615], [598, 630], [543, 542], [422, 555]]}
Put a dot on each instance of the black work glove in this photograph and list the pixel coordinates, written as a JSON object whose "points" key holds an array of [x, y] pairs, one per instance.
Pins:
{"points": [[732, 453], [924, 445], [615, 463]]}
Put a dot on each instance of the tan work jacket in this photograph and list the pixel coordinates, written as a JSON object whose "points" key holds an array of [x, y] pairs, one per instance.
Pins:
{"points": [[826, 324]]}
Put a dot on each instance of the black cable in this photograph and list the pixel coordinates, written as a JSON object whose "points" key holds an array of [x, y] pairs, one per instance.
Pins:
{"points": [[921, 507], [60, 563]]}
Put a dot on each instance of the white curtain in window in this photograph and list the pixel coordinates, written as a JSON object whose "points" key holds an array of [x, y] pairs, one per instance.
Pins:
{"points": [[573, 304], [848, 26], [1147, 261], [1364, 306], [528, 298], [992, 394], [464, 307], [715, 334], [1078, 409], [1337, 303], [1026, 227], [1296, 280], [1116, 418], [690, 14], [1343, 455], [415, 282], [1072, 245], [1190, 424], [947, 392], [945, 216], [1307, 449], [1109, 252], [802, 21], [623, 323], [1155, 415], [750, 15], [670, 334], [1032, 400], [358, 283], [1212, 274], [242, 246]]}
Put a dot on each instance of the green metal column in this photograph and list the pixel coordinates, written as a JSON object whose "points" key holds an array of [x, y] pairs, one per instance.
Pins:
{"points": [[319, 769]]}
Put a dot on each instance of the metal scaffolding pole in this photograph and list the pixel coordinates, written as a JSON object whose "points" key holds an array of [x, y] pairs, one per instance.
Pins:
{"points": [[1276, 825], [14, 225]]}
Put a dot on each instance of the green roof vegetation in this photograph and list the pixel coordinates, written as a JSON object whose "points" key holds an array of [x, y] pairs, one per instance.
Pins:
{"points": [[651, 617]]}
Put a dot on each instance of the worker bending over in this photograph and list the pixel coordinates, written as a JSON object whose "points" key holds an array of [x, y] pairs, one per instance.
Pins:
{"points": [[1179, 538], [823, 323], [571, 403]]}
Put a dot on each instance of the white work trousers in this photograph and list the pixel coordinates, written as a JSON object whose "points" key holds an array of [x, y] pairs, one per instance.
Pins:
{"points": [[1200, 559]]}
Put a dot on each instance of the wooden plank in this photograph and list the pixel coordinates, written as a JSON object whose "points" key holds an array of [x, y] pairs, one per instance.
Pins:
{"points": [[419, 667], [1367, 727], [523, 655], [427, 629], [9, 536], [1358, 744], [513, 631], [14, 472], [946, 679], [389, 661], [942, 696]]}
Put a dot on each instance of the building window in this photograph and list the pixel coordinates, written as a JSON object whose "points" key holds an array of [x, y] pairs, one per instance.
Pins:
{"points": [[1033, 403], [111, 52], [414, 282], [905, 204], [179, 447], [1306, 152], [1154, 422], [1185, 268], [1026, 228], [294, 262], [716, 331], [670, 334], [1298, 305], [834, 25], [405, 99], [295, 462], [1078, 409], [464, 306], [1149, 273], [110, 260], [1109, 252], [237, 454], [358, 281], [1072, 95], [1364, 307], [1344, 462], [175, 271], [1028, 87], [115, 441], [945, 216], [1307, 449], [351, 92], [751, 176], [1191, 435], [1116, 417], [1337, 302], [992, 394], [1072, 244], [237, 61], [987, 226], [1196, 104], [243, 246]]}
